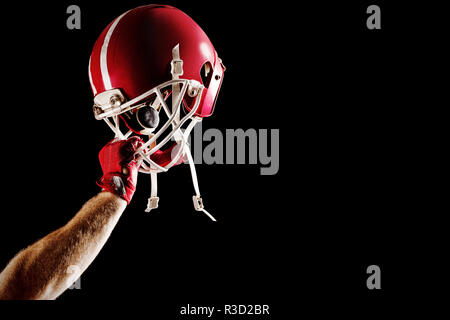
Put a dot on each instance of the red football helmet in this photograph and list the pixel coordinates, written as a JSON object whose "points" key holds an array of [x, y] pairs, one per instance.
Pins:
{"points": [[149, 58]]}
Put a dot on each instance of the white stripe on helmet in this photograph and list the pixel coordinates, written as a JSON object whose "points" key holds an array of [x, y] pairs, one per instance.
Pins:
{"points": [[94, 90], [104, 51]]}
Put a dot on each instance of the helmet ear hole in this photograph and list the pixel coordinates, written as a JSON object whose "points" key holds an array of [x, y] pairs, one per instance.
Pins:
{"points": [[206, 74]]}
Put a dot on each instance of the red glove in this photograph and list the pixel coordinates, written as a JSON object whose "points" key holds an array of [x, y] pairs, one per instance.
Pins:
{"points": [[120, 169]]}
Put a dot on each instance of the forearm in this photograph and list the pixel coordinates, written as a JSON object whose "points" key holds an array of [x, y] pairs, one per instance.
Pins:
{"points": [[47, 268]]}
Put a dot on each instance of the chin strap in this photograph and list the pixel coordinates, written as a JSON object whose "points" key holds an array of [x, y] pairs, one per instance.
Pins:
{"points": [[176, 69], [154, 199], [198, 202], [197, 199]]}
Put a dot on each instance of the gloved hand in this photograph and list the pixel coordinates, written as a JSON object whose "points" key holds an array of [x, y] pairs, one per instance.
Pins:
{"points": [[120, 169]]}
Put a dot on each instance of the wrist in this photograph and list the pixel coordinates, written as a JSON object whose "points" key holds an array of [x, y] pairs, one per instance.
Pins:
{"points": [[118, 184], [112, 196]]}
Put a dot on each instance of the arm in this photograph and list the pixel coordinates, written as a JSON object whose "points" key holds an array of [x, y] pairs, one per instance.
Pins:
{"points": [[48, 267]]}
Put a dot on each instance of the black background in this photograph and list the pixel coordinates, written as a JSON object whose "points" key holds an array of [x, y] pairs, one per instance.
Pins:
{"points": [[352, 111]]}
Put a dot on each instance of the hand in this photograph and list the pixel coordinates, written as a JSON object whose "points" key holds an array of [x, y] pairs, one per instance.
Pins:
{"points": [[120, 169]]}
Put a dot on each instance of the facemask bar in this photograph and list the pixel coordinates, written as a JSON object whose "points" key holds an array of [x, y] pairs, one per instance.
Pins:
{"points": [[144, 151], [111, 111], [109, 103]]}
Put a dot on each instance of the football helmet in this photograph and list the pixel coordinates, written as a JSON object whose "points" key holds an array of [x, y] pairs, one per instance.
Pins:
{"points": [[151, 59]]}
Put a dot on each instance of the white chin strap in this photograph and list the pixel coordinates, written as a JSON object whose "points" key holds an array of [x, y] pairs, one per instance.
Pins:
{"points": [[179, 136], [198, 202], [153, 200]]}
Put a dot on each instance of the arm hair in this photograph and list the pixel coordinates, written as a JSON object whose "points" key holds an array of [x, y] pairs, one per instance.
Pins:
{"points": [[45, 269]]}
